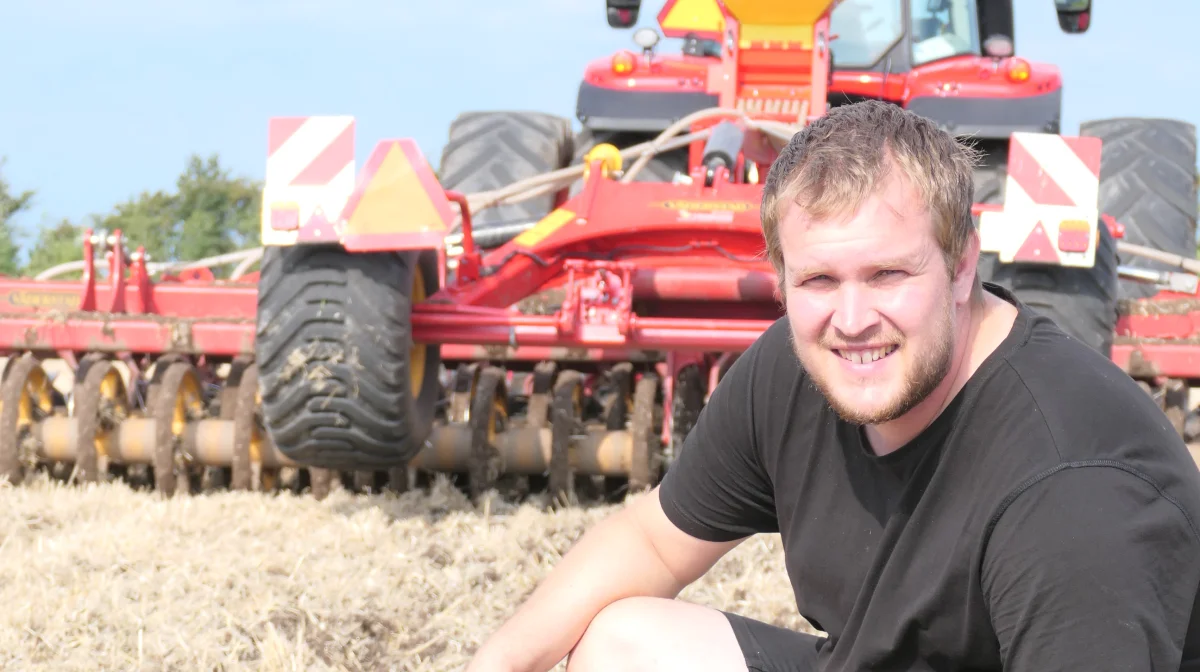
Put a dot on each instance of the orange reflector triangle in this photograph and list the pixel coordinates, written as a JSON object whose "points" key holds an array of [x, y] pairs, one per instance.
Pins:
{"points": [[397, 194], [702, 17]]}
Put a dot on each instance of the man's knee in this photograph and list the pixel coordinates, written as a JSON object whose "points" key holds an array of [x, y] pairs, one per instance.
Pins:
{"points": [[649, 633], [621, 637]]}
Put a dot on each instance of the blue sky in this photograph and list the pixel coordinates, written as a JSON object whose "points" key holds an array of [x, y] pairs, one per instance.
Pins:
{"points": [[106, 99]]}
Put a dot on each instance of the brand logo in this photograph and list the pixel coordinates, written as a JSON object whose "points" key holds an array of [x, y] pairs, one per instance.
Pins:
{"points": [[709, 206], [788, 106], [33, 299]]}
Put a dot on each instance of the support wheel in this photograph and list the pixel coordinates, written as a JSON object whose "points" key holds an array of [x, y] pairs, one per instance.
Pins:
{"points": [[101, 404], [646, 459], [177, 401], [343, 385], [489, 417], [687, 402], [566, 420], [246, 461], [25, 398]]}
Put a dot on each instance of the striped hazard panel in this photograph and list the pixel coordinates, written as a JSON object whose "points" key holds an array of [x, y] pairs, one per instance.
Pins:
{"points": [[312, 194], [309, 178], [1051, 196]]}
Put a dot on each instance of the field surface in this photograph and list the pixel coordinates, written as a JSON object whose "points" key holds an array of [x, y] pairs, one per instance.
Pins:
{"points": [[108, 578]]}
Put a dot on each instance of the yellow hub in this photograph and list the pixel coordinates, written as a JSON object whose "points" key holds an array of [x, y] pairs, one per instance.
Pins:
{"points": [[416, 354], [609, 154], [499, 417], [189, 403], [36, 395], [256, 439], [114, 402]]}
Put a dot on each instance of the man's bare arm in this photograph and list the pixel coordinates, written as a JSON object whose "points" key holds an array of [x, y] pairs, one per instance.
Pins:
{"points": [[635, 552]]}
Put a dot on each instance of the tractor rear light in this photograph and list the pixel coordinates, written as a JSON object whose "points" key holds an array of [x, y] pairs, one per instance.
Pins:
{"points": [[1018, 70], [1073, 235], [623, 62]]}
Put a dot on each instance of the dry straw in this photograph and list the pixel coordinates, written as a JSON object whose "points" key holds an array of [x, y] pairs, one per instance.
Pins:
{"points": [[107, 578]]}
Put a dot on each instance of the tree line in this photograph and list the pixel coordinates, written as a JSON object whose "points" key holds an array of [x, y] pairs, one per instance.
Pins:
{"points": [[209, 212]]}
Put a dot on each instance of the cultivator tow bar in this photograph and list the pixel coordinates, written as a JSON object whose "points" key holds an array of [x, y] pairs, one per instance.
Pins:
{"points": [[551, 311]]}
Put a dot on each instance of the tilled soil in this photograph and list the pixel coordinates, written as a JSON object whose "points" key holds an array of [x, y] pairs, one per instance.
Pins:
{"points": [[108, 578]]}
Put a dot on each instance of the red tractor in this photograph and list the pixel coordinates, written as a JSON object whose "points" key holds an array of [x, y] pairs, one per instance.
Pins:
{"points": [[551, 310], [952, 61]]}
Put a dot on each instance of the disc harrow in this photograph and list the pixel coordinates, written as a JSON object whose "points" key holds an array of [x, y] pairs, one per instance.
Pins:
{"points": [[180, 426]]}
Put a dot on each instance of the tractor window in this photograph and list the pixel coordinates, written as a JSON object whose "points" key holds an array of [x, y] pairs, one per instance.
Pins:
{"points": [[943, 28], [865, 30]]}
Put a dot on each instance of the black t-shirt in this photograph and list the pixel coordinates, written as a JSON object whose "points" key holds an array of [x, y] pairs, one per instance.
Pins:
{"points": [[1046, 520]]}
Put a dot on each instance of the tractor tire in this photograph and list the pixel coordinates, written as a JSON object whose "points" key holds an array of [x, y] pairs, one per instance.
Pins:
{"points": [[1081, 301], [1148, 183], [491, 150], [661, 168], [343, 387]]}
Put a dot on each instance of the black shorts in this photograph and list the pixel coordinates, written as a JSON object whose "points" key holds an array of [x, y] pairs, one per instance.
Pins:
{"points": [[769, 648]]}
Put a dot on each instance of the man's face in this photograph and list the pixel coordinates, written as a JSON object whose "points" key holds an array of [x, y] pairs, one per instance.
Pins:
{"points": [[871, 304]]}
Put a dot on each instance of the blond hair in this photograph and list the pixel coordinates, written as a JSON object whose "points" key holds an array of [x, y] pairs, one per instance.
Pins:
{"points": [[835, 163]]}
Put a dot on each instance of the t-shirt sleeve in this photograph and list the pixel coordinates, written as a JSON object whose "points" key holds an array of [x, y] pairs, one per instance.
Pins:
{"points": [[1091, 568], [717, 489]]}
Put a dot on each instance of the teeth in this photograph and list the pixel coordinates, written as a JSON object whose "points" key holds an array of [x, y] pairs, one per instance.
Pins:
{"points": [[867, 356]]}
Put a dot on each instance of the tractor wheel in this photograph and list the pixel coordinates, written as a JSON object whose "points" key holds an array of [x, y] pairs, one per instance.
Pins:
{"points": [[343, 387], [491, 150], [1148, 183], [661, 168], [1081, 301]]}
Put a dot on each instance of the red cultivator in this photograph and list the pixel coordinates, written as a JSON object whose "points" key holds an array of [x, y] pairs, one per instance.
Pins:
{"points": [[553, 312]]}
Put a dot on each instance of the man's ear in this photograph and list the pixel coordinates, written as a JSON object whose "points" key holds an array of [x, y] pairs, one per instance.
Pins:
{"points": [[964, 273]]}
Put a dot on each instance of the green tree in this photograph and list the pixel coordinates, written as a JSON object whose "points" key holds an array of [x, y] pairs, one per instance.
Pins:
{"points": [[10, 205], [211, 212], [57, 244]]}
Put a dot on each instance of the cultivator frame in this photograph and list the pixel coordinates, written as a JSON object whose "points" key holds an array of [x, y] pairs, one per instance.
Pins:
{"points": [[572, 356]]}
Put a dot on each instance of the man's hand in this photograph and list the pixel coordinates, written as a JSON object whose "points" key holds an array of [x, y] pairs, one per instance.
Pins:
{"points": [[636, 551]]}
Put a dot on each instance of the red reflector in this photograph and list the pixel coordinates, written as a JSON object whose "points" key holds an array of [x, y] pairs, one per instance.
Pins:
{"points": [[1073, 241], [1073, 236], [285, 218]]}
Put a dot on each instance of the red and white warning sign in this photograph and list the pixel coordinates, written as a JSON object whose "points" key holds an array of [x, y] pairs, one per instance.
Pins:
{"points": [[1051, 212], [310, 176]]}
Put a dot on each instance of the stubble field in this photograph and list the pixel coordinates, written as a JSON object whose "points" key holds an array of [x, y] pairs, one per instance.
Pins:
{"points": [[108, 578]]}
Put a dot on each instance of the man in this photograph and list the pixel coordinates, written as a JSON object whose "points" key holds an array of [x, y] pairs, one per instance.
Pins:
{"points": [[957, 483]]}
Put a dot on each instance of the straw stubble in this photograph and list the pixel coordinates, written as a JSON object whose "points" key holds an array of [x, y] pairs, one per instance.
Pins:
{"points": [[106, 578]]}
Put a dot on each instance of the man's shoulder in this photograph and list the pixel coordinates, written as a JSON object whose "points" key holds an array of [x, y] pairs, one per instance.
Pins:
{"points": [[1086, 401], [1052, 403]]}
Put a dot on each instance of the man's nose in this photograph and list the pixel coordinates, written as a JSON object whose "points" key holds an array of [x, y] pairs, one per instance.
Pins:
{"points": [[854, 311]]}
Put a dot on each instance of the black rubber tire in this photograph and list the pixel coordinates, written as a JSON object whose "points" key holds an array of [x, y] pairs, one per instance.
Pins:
{"points": [[332, 349], [661, 168], [490, 150], [1148, 183], [1081, 301]]}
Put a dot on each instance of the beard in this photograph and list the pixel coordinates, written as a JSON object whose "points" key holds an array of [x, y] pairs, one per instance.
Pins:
{"points": [[927, 370]]}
